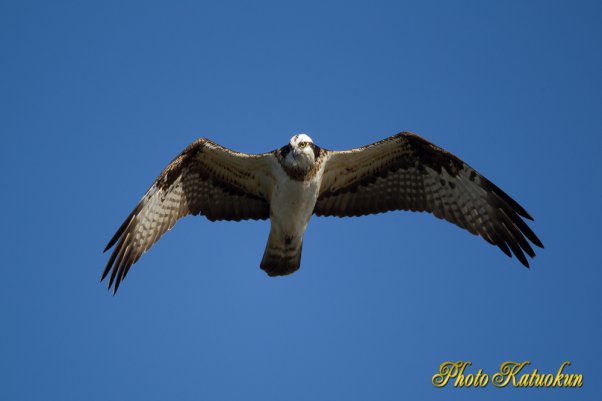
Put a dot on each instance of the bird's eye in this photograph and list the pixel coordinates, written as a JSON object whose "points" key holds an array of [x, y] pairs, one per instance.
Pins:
{"points": [[302, 144]]}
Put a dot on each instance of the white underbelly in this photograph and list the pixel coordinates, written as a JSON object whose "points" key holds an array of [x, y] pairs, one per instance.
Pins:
{"points": [[292, 204]]}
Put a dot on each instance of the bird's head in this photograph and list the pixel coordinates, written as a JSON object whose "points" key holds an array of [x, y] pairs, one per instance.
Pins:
{"points": [[302, 152]]}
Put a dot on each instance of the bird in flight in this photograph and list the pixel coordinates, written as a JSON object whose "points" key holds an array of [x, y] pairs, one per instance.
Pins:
{"points": [[290, 184]]}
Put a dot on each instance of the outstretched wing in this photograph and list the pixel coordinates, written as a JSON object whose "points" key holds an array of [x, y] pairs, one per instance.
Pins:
{"points": [[406, 172], [205, 179]]}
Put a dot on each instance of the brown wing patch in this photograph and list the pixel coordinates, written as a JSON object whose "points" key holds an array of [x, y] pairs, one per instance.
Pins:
{"points": [[406, 172], [190, 184], [431, 155]]}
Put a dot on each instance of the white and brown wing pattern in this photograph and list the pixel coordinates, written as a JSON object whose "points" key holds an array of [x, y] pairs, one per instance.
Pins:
{"points": [[205, 179], [406, 172]]}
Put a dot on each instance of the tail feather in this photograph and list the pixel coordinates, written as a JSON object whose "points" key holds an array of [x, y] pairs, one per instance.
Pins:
{"points": [[282, 255]]}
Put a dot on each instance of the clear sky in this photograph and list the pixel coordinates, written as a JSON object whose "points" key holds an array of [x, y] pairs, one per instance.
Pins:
{"points": [[97, 97]]}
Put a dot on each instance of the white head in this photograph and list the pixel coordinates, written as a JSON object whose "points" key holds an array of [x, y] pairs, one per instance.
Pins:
{"points": [[301, 153]]}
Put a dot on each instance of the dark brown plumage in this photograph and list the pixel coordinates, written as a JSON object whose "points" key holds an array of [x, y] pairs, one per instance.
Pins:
{"points": [[406, 172], [198, 181]]}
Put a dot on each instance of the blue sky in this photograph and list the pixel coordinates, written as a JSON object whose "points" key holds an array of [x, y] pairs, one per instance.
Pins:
{"points": [[98, 97]]}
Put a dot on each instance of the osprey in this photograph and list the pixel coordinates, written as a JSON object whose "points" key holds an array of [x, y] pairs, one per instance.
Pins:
{"points": [[290, 184]]}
